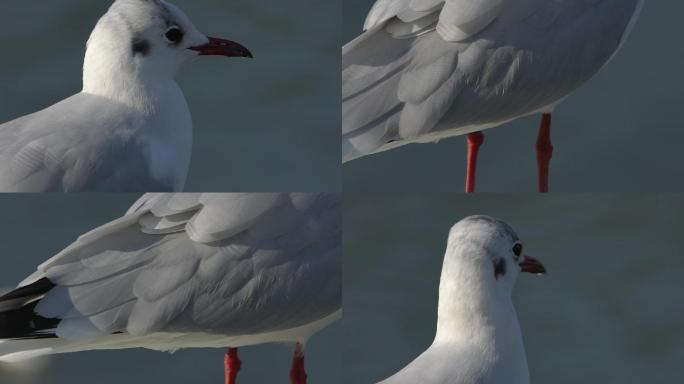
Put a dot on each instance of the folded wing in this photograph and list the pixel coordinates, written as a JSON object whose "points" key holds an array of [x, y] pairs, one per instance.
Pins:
{"points": [[229, 264]]}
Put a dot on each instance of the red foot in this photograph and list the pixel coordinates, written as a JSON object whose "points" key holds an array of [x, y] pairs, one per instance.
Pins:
{"points": [[297, 372], [544, 153], [475, 140], [231, 365]]}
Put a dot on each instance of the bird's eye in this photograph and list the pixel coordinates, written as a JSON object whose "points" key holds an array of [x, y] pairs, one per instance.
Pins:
{"points": [[517, 250], [174, 35]]}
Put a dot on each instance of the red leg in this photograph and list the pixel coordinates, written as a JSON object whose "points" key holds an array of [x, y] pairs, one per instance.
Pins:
{"points": [[475, 140], [231, 365], [297, 372], [544, 153]]}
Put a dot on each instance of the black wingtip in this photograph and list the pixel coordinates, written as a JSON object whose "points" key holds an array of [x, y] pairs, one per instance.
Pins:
{"points": [[22, 322], [38, 288]]}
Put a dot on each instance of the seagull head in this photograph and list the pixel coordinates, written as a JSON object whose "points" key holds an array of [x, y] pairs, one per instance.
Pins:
{"points": [[483, 259], [139, 41], [489, 250]]}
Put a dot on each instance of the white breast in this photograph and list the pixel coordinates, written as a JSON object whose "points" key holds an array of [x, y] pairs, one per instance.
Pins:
{"points": [[166, 138]]}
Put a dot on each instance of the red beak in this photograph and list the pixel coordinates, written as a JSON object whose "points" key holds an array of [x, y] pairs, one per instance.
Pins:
{"points": [[532, 265], [222, 47]]}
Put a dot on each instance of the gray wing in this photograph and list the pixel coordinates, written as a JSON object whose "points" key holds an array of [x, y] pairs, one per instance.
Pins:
{"points": [[83, 143], [456, 19], [228, 264], [404, 82]]}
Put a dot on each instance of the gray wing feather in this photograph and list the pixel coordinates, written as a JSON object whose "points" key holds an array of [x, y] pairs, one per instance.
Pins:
{"points": [[258, 262], [417, 86], [458, 19]]}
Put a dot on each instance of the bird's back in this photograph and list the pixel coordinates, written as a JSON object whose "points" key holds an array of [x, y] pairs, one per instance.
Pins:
{"points": [[450, 363], [444, 364], [83, 143], [403, 82]]}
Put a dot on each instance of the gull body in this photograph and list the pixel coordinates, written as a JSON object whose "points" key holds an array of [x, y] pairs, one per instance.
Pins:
{"points": [[425, 70], [130, 128], [478, 338], [185, 270]]}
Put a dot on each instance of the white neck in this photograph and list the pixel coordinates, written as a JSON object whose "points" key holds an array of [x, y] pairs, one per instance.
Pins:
{"points": [[109, 78], [110, 69], [470, 305], [473, 311]]}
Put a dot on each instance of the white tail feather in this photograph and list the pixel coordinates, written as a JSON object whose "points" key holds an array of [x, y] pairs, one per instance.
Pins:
{"points": [[14, 351]]}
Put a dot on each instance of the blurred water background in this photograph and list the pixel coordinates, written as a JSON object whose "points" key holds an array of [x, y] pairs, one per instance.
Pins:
{"points": [[610, 309], [35, 227], [622, 131], [267, 124]]}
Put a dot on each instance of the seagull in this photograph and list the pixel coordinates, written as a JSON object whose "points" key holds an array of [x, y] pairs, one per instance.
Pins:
{"points": [[425, 70], [187, 271], [129, 129], [478, 337]]}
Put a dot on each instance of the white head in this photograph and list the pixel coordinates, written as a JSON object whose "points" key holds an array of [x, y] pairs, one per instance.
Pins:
{"points": [[483, 259], [138, 43]]}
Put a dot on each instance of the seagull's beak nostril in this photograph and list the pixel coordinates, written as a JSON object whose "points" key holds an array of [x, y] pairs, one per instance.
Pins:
{"points": [[222, 47]]}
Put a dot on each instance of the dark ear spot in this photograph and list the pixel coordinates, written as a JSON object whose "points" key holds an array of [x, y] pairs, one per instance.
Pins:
{"points": [[140, 47], [499, 268]]}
